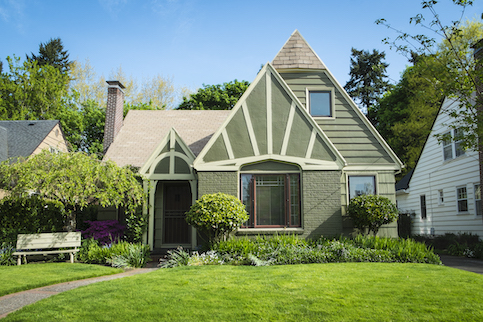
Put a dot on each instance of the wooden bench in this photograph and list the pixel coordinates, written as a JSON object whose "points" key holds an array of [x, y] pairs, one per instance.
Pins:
{"points": [[47, 243]]}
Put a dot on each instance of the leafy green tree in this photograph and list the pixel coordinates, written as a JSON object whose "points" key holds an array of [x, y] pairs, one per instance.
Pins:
{"points": [[215, 97], [74, 179], [52, 53], [405, 114], [457, 72], [217, 215], [368, 77], [371, 212]]}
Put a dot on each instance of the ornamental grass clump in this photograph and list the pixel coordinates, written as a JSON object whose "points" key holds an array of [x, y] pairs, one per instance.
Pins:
{"points": [[371, 212], [216, 216]]}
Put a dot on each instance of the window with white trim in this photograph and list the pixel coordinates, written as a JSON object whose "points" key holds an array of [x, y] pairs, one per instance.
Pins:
{"points": [[462, 199], [422, 201], [271, 200], [361, 185], [478, 199], [320, 101], [453, 144]]}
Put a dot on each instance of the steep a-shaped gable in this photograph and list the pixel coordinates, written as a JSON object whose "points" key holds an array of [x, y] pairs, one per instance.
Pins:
{"points": [[172, 159], [269, 122]]}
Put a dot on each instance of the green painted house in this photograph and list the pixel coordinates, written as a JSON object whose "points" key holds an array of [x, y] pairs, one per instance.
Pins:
{"points": [[294, 149]]}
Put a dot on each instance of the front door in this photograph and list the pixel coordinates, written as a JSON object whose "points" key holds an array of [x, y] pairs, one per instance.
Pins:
{"points": [[177, 201]]}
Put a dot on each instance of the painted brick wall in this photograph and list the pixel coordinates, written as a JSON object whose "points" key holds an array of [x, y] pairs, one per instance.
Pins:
{"points": [[213, 182], [321, 203]]}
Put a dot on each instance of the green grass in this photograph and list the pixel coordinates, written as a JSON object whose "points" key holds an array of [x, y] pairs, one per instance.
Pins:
{"points": [[313, 292], [20, 278]]}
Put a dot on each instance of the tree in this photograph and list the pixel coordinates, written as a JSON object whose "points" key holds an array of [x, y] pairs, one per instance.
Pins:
{"points": [[217, 215], [368, 77], [405, 114], [52, 53], [456, 70], [215, 97], [371, 212], [74, 179]]}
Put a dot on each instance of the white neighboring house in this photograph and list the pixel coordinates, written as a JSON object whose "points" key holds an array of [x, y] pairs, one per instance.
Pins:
{"points": [[444, 190]]}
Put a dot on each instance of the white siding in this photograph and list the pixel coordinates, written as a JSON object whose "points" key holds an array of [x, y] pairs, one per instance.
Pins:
{"points": [[432, 174]]}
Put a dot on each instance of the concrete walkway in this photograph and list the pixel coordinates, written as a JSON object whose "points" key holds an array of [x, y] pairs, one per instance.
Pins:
{"points": [[15, 301]]}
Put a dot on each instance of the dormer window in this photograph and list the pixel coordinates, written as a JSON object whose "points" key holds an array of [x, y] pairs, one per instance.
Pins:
{"points": [[320, 102]]}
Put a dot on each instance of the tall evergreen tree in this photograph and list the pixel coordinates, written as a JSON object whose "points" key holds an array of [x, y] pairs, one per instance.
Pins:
{"points": [[368, 77], [53, 53]]}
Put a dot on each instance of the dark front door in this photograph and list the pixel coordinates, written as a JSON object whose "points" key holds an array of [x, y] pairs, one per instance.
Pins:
{"points": [[177, 201]]}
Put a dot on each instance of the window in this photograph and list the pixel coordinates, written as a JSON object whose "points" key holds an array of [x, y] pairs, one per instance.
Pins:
{"points": [[361, 185], [440, 197], [452, 144], [320, 103], [462, 197], [271, 200], [478, 199], [422, 201]]}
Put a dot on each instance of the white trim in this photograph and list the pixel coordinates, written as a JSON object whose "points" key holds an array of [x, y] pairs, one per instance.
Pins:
{"points": [[268, 88], [310, 147], [360, 174], [249, 124], [288, 129], [228, 147]]}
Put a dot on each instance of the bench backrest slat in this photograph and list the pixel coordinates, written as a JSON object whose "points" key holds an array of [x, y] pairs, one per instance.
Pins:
{"points": [[48, 240]]}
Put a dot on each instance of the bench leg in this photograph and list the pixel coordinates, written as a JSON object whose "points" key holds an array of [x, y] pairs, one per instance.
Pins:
{"points": [[72, 258], [19, 260]]}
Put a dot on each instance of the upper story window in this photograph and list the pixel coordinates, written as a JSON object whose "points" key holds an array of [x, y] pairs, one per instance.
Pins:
{"points": [[320, 102], [271, 200], [361, 185], [452, 145]]}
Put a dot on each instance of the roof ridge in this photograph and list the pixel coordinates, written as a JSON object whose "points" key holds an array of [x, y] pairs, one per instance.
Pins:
{"points": [[297, 53]]}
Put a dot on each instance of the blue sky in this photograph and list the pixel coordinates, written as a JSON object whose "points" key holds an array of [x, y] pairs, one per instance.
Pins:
{"points": [[199, 42]]}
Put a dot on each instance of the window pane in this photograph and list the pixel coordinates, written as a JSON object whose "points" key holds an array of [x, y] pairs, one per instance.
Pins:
{"points": [[447, 147], [361, 185], [422, 201], [294, 200], [478, 199], [270, 192], [462, 199], [320, 104], [246, 196]]}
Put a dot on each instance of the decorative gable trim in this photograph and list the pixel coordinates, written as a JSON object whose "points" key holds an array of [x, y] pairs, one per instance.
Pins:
{"points": [[227, 152], [168, 152]]}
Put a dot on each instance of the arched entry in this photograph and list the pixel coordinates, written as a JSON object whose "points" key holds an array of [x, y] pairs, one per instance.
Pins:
{"points": [[176, 201]]}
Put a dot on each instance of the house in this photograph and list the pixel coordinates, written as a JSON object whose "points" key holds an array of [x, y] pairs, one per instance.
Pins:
{"points": [[294, 149], [443, 191], [25, 138]]}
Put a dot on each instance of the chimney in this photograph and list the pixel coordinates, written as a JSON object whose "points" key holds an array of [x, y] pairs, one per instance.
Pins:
{"points": [[114, 111]]}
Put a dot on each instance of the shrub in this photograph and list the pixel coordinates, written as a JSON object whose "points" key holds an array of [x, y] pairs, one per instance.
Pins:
{"points": [[217, 215], [120, 254], [28, 216], [105, 232], [371, 212], [6, 254], [135, 256]]}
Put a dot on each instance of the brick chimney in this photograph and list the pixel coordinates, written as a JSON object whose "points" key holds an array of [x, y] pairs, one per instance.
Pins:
{"points": [[114, 111]]}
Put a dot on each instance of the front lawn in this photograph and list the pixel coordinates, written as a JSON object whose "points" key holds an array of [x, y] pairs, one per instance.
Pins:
{"points": [[20, 278], [312, 292]]}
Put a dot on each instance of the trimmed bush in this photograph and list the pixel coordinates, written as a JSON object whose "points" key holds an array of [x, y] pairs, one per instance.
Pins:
{"points": [[217, 215], [371, 212], [105, 232]]}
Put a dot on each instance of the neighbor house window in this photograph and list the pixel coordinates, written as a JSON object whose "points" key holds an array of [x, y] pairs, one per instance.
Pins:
{"points": [[320, 103], [361, 185], [422, 201], [462, 198], [271, 200], [440, 197], [453, 144], [478, 199]]}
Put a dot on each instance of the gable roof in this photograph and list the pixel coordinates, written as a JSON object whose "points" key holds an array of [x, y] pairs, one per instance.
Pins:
{"points": [[269, 122], [297, 53], [142, 132], [21, 138]]}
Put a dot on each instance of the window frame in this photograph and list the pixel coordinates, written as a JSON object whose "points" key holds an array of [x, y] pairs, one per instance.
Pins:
{"points": [[252, 222], [323, 89], [453, 143], [350, 175], [458, 199], [477, 193], [440, 197], [423, 207]]}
